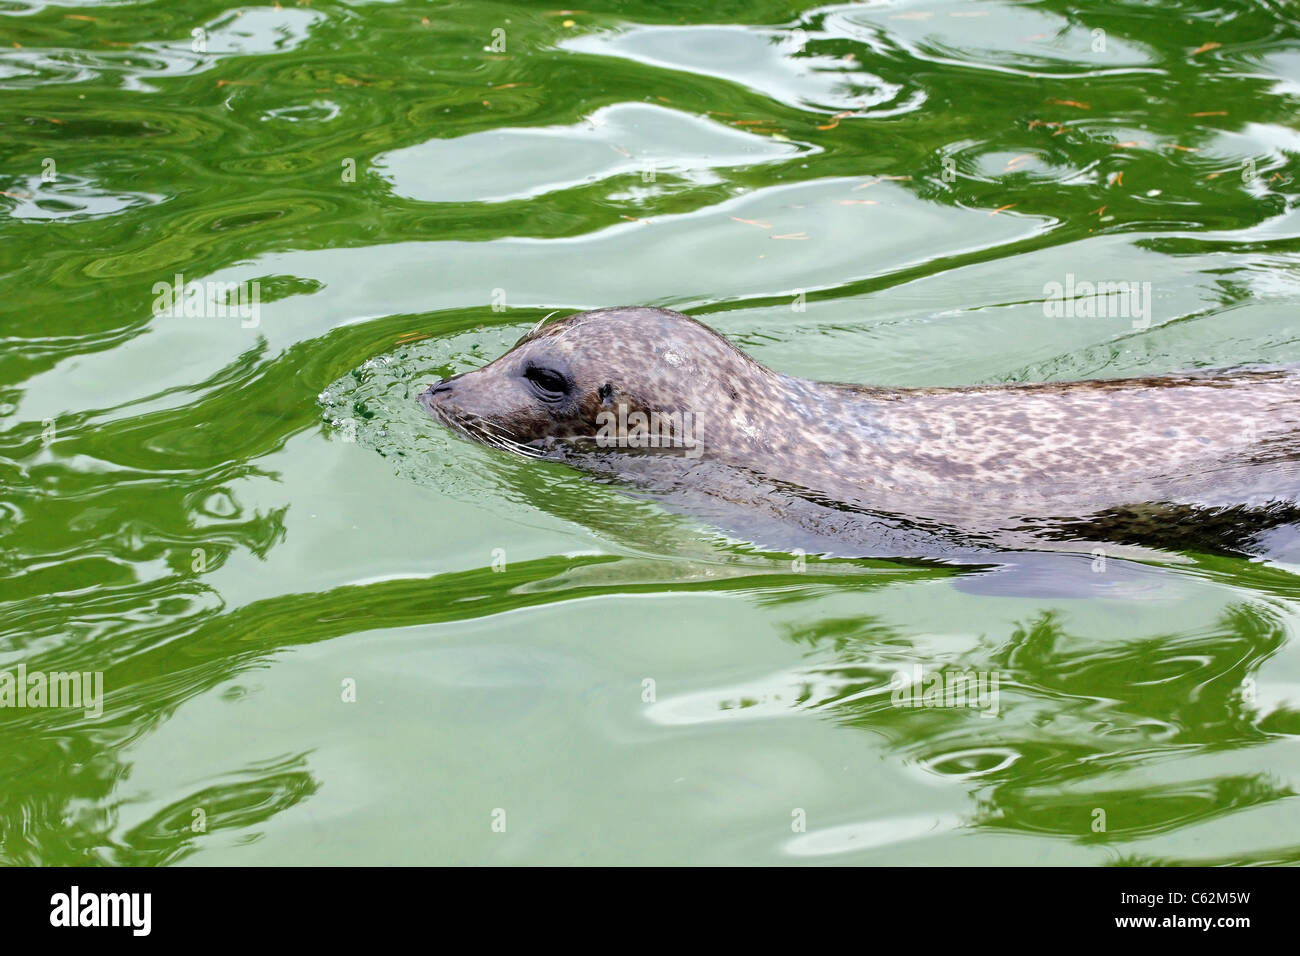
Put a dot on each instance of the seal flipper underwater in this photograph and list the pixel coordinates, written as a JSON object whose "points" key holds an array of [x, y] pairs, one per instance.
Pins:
{"points": [[660, 403]]}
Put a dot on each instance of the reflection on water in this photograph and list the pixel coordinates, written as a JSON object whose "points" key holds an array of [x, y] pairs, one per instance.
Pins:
{"points": [[232, 523]]}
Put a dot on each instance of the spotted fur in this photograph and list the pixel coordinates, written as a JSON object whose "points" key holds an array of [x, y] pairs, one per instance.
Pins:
{"points": [[1115, 459]]}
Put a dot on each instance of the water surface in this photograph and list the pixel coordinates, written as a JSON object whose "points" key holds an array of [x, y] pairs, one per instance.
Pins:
{"points": [[245, 525]]}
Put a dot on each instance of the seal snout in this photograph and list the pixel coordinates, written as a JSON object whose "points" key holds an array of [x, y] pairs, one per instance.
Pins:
{"points": [[430, 395]]}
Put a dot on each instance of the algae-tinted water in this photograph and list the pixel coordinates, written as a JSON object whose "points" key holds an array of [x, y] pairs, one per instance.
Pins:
{"points": [[331, 632]]}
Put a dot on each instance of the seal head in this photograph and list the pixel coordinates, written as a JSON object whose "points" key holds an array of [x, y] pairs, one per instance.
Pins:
{"points": [[620, 378]]}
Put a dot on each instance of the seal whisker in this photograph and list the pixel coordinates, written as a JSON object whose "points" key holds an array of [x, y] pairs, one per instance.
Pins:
{"points": [[542, 321], [486, 431]]}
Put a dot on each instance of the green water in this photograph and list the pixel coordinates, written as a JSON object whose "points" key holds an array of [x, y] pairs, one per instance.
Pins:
{"points": [[245, 525]]}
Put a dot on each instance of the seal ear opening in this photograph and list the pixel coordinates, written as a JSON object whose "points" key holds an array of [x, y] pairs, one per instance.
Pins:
{"points": [[606, 393]]}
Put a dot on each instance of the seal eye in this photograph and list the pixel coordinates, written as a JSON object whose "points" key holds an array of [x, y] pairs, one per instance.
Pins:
{"points": [[548, 383]]}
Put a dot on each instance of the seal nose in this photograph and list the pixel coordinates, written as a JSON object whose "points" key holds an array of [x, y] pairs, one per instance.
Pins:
{"points": [[430, 395]]}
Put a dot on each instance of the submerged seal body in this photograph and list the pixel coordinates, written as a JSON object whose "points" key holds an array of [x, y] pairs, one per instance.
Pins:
{"points": [[1197, 460]]}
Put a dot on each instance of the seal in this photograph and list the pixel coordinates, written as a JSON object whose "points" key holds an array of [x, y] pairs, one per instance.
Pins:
{"points": [[1197, 460]]}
